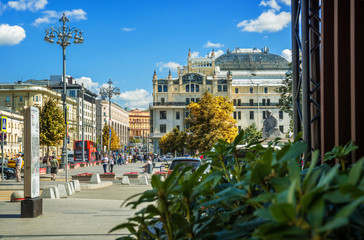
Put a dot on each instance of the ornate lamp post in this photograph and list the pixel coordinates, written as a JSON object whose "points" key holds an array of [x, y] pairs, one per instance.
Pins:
{"points": [[64, 34], [109, 92]]}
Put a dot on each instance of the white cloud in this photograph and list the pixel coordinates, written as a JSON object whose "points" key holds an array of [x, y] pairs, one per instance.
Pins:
{"points": [[194, 54], [218, 53], [2, 8], [271, 3], [51, 16], [138, 98], [32, 5], [287, 2], [89, 84], [287, 54], [171, 65], [125, 29], [214, 45], [268, 21], [11, 35]]}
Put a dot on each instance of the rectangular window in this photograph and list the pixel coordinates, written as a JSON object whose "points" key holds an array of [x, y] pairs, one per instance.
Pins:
{"points": [[251, 89], [187, 88], [177, 115], [72, 93], [159, 88], [162, 101], [239, 128], [281, 128], [239, 102], [8, 99], [187, 114], [239, 115], [36, 99], [197, 100], [20, 98], [264, 116], [234, 101], [268, 102], [265, 90], [163, 128], [263, 102], [234, 115], [219, 88], [236, 90], [280, 114], [162, 115], [192, 87], [197, 88], [192, 100], [251, 113], [224, 88], [165, 89], [251, 102], [187, 101]]}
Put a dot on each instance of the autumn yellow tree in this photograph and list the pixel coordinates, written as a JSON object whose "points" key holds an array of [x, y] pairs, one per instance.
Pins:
{"points": [[115, 141], [210, 120]]}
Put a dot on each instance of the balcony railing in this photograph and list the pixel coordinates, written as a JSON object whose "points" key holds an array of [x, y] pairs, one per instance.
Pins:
{"points": [[169, 104]]}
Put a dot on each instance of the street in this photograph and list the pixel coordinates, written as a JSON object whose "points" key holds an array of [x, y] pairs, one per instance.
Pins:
{"points": [[87, 214]]}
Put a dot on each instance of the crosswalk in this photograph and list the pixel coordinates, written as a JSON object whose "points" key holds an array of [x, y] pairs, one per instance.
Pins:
{"points": [[5, 195]]}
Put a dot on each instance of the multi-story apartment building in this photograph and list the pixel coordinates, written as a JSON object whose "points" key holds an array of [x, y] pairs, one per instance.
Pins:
{"points": [[14, 133], [139, 123], [15, 97], [119, 120], [248, 77]]}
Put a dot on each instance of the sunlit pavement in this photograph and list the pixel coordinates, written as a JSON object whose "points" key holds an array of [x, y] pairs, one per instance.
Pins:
{"points": [[88, 214]]}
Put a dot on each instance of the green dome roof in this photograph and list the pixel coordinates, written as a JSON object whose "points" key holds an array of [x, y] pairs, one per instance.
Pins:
{"points": [[251, 61]]}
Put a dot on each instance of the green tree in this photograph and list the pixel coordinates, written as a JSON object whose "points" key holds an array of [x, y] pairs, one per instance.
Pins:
{"points": [[210, 119], [115, 141], [253, 134], [174, 141], [285, 92], [51, 125]]}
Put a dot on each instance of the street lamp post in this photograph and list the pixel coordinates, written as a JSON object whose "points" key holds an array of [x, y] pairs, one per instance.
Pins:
{"points": [[83, 125], [109, 92], [64, 34]]}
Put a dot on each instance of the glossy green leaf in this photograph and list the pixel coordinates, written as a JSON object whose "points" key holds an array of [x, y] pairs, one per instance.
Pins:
{"points": [[296, 150], [283, 212], [259, 172], [355, 172]]}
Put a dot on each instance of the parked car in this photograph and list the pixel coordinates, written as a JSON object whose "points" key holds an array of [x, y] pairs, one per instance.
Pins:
{"points": [[9, 173], [194, 162]]}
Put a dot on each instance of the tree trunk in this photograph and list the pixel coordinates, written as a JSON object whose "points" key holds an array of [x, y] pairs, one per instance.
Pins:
{"points": [[48, 156]]}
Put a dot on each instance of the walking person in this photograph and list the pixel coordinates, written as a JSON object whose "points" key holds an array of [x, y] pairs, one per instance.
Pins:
{"points": [[112, 162], [54, 168], [18, 163], [105, 162]]}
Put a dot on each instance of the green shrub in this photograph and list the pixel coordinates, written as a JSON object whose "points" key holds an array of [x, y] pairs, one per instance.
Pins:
{"points": [[263, 195]]}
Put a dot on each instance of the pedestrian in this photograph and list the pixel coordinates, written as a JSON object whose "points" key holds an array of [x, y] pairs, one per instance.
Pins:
{"points": [[111, 161], [18, 163], [105, 162], [54, 168]]}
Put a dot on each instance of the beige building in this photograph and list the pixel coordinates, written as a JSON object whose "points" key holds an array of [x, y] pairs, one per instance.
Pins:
{"points": [[119, 120], [248, 77], [139, 123], [14, 134], [15, 97]]}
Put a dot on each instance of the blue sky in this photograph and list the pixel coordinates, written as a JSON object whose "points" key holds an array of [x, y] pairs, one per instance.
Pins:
{"points": [[127, 40]]}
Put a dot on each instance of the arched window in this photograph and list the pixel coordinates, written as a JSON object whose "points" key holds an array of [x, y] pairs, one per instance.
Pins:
{"points": [[236, 90]]}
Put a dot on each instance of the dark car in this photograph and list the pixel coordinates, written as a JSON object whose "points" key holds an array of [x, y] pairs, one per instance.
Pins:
{"points": [[194, 162], [9, 173]]}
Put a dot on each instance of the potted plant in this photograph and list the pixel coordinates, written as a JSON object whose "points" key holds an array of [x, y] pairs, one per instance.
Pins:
{"points": [[107, 176], [132, 174], [82, 177]]}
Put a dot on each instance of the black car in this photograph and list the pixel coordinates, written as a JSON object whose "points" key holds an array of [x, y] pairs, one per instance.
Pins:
{"points": [[9, 173]]}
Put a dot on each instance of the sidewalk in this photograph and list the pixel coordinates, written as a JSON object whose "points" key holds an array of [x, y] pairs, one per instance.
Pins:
{"points": [[88, 214]]}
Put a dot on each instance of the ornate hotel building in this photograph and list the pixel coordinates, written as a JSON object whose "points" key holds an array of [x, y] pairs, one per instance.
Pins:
{"points": [[139, 122], [248, 77]]}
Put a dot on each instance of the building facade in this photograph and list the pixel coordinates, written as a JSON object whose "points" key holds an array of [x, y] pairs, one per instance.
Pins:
{"points": [[248, 77], [15, 97], [14, 133], [139, 122], [119, 120]]}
